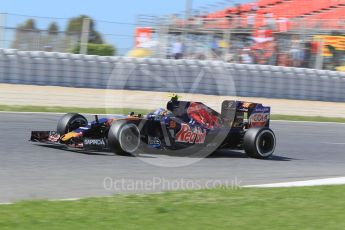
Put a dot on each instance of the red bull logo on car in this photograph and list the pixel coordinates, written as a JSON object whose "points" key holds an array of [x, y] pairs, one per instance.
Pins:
{"points": [[259, 116], [190, 135], [258, 119]]}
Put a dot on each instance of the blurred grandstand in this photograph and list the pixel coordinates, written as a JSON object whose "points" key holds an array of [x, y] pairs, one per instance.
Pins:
{"points": [[276, 32], [299, 33]]}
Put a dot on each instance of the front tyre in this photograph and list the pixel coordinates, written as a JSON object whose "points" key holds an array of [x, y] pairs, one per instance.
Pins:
{"points": [[259, 142], [70, 122], [124, 138]]}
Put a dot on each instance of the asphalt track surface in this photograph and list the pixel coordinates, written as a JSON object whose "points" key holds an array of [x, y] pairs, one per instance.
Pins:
{"points": [[304, 151]]}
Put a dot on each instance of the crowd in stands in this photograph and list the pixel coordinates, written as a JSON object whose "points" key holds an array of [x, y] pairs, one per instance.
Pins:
{"points": [[283, 52], [261, 34], [278, 15]]}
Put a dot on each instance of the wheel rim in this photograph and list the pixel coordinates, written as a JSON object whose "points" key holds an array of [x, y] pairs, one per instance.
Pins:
{"points": [[129, 138], [265, 143]]}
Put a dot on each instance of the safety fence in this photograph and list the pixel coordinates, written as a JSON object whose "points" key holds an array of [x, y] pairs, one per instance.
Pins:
{"points": [[186, 76]]}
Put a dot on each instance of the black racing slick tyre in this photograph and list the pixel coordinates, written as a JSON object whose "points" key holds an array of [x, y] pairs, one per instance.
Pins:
{"points": [[124, 138], [259, 142], [70, 122]]}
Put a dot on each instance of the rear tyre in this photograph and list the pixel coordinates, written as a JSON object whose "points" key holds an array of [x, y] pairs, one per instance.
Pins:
{"points": [[259, 142], [70, 122], [124, 138]]}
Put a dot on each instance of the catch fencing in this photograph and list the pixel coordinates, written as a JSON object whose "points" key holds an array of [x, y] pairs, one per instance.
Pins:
{"points": [[181, 76]]}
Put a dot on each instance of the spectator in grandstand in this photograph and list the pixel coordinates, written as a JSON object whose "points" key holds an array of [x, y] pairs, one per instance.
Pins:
{"points": [[271, 53], [177, 49], [315, 47], [296, 52], [214, 46], [245, 57], [307, 55]]}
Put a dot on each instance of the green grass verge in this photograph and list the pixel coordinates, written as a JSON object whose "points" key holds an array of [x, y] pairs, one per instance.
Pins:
{"points": [[24, 108], [279, 208], [307, 118]]}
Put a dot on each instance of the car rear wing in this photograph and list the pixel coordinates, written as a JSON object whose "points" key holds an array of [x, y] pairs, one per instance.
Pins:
{"points": [[236, 112]]}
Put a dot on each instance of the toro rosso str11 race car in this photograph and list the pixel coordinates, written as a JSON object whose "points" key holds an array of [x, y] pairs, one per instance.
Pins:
{"points": [[182, 127]]}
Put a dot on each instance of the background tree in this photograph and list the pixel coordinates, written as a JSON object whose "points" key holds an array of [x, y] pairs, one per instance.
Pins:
{"points": [[53, 28], [75, 25], [28, 25], [26, 35]]}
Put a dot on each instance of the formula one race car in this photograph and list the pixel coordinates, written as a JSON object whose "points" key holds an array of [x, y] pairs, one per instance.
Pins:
{"points": [[182, 127]]}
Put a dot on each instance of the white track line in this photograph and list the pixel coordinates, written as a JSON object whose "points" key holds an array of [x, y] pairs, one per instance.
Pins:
{"points": [[52, 200], [6, 203], [333, 143], [68, 199], [327, 181]]}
